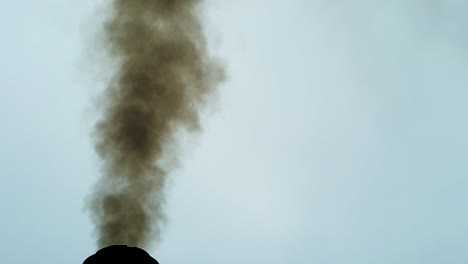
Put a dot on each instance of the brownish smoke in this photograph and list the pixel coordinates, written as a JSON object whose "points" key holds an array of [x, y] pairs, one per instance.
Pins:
{"points": [[164, 76]]}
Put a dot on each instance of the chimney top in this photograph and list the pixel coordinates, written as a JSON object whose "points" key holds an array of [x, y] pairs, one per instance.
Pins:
{"points": [[120, 254]]}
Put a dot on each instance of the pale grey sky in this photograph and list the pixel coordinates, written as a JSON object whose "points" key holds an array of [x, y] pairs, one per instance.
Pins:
{"points": [[340, 136]]}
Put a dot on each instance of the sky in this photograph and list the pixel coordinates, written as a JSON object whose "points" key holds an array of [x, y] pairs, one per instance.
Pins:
{"points": [[339, 136]]}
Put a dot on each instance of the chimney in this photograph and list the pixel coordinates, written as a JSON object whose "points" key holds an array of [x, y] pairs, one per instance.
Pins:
{"points": [[120, 254]]}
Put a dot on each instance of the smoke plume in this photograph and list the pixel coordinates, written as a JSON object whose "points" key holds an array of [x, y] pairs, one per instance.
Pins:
{"points": [[164, 76]]}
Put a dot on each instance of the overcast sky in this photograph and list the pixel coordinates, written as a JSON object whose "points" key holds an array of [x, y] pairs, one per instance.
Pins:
{"points": [[340, 136]]}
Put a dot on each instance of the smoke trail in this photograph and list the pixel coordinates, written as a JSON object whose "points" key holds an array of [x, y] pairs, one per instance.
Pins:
{"points": [[164, 76]]}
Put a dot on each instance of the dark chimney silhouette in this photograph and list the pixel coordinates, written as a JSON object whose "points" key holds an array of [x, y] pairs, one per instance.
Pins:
{"points": [[120, 254]]}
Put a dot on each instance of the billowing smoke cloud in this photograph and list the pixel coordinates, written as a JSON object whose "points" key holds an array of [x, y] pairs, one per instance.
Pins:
{"points": [[164, 76]]}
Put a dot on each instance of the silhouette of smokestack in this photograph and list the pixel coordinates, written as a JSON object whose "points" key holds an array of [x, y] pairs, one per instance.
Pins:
{"points": [[121, 254]]}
